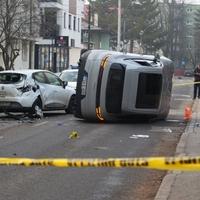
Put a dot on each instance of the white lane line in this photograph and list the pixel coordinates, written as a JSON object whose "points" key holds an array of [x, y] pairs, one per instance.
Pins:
{"points": [[181, 95], [40, 124], [1, 137], [176, 99], [173, 120], [138, 136]]}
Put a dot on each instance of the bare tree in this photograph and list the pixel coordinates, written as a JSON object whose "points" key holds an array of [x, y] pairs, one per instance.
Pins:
{"points": [[15, 23]]}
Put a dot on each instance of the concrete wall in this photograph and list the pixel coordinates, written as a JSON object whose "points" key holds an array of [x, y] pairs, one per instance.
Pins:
{"points": [[74, 55]]}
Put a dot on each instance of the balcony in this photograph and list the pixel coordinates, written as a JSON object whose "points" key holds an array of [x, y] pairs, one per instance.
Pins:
{"points": [[58, 1], [56, 4], [49, 28]]}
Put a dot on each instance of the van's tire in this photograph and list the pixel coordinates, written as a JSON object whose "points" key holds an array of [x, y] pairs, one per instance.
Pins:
{"points": [[36, 110], [71, 106]]}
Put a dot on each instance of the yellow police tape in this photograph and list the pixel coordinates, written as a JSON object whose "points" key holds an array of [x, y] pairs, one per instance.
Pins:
{"points": [[186, 163], [183, 84]]}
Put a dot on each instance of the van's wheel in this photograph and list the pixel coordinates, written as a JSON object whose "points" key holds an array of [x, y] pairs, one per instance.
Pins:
{"points": [[36, 110], [71, 106]]}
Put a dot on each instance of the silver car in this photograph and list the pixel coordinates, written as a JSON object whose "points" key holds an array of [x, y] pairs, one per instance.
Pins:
{"points": [[70, 77], [34, 91]]}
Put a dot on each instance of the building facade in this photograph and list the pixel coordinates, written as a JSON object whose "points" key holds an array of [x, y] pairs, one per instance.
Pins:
{"points": [[60, 33]]}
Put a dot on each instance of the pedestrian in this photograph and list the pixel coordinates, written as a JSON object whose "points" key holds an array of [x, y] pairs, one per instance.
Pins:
{"points": [[197, 82]]}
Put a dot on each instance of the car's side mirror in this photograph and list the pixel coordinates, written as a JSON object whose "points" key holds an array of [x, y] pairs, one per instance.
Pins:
{"points": [[35, 88], [65, 83]]}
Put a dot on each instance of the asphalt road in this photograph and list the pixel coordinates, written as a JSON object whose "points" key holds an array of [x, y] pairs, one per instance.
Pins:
{"points": [[49, 137]]}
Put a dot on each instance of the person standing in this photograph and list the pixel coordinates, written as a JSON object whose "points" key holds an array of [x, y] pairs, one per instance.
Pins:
{"points": [[197, 82]]}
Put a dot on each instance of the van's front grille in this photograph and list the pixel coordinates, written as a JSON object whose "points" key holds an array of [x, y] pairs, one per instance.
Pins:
{"points": [[149, 90]]}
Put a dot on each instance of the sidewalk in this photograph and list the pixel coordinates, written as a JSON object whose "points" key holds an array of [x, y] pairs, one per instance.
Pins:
{"points": [[184, 185]]}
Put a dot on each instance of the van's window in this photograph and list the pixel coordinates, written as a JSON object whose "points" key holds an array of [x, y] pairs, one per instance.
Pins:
{"points": [[10, 78], [114, 90], [149, 90]]}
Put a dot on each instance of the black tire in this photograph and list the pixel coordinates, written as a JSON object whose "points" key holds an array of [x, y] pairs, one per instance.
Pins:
{"points": [[71, 106], [36, 110]]}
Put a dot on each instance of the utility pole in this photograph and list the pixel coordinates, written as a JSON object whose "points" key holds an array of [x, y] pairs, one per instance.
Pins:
{"points": [[30, 37], [89, 24], [119, 26]]}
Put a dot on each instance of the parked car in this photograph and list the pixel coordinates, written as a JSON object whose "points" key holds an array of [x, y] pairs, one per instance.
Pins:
{"points": [[34, 91], [70, 77], [189, 73], [73, 66]]}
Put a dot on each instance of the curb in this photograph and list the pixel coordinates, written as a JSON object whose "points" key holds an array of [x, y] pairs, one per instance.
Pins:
{"points": [[168, 181]]}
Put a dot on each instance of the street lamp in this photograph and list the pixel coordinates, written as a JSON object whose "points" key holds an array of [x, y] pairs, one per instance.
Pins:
{"points": [[119, 26], [89, 24]]}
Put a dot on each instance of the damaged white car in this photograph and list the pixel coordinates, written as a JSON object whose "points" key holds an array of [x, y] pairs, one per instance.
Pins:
{"points": [[34, 91]]}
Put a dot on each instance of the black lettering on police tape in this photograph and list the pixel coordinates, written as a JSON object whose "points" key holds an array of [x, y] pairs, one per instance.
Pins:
{"points": [[174, 161], [72, 164], [189, 161], [81, 163], [170, 161], [90, 164], [133, 163]]}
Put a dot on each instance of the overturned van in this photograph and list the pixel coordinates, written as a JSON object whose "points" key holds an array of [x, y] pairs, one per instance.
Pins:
{"points": [[112, 86]]}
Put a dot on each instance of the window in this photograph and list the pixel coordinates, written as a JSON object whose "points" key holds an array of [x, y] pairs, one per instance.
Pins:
{"points": [[114, 90], [189, 46], [53, 79], [74, 23], [24, 51], [189, 9], [78, 24], [189, 22], [149, 90], [64, 20], [39, 76], [10, 78], [72, 43], [70, 22]]}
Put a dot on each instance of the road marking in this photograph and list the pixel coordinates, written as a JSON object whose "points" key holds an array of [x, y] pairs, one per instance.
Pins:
{"points": [[179, 99], [182, 95], [161, 129], [173, 120], [138, 136], [40, 124]]}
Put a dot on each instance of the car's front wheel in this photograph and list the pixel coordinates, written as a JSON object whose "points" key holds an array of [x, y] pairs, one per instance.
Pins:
{"points": [[36, 110], [71, 106]]}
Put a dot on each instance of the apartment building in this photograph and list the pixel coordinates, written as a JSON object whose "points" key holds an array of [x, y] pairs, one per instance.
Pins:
{"points": [[60, 34], [192, 49], [17, 36]]}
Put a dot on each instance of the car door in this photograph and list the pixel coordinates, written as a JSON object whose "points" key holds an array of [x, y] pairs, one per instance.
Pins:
{"points": [[59, 96], [46, 90]]}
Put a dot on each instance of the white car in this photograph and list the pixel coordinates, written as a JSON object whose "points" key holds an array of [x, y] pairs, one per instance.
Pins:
{"points": [[70, 77], [34, 91]]}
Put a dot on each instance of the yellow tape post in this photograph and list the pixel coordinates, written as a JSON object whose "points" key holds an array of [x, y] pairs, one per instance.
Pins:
{"points": [[160, 163]]}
